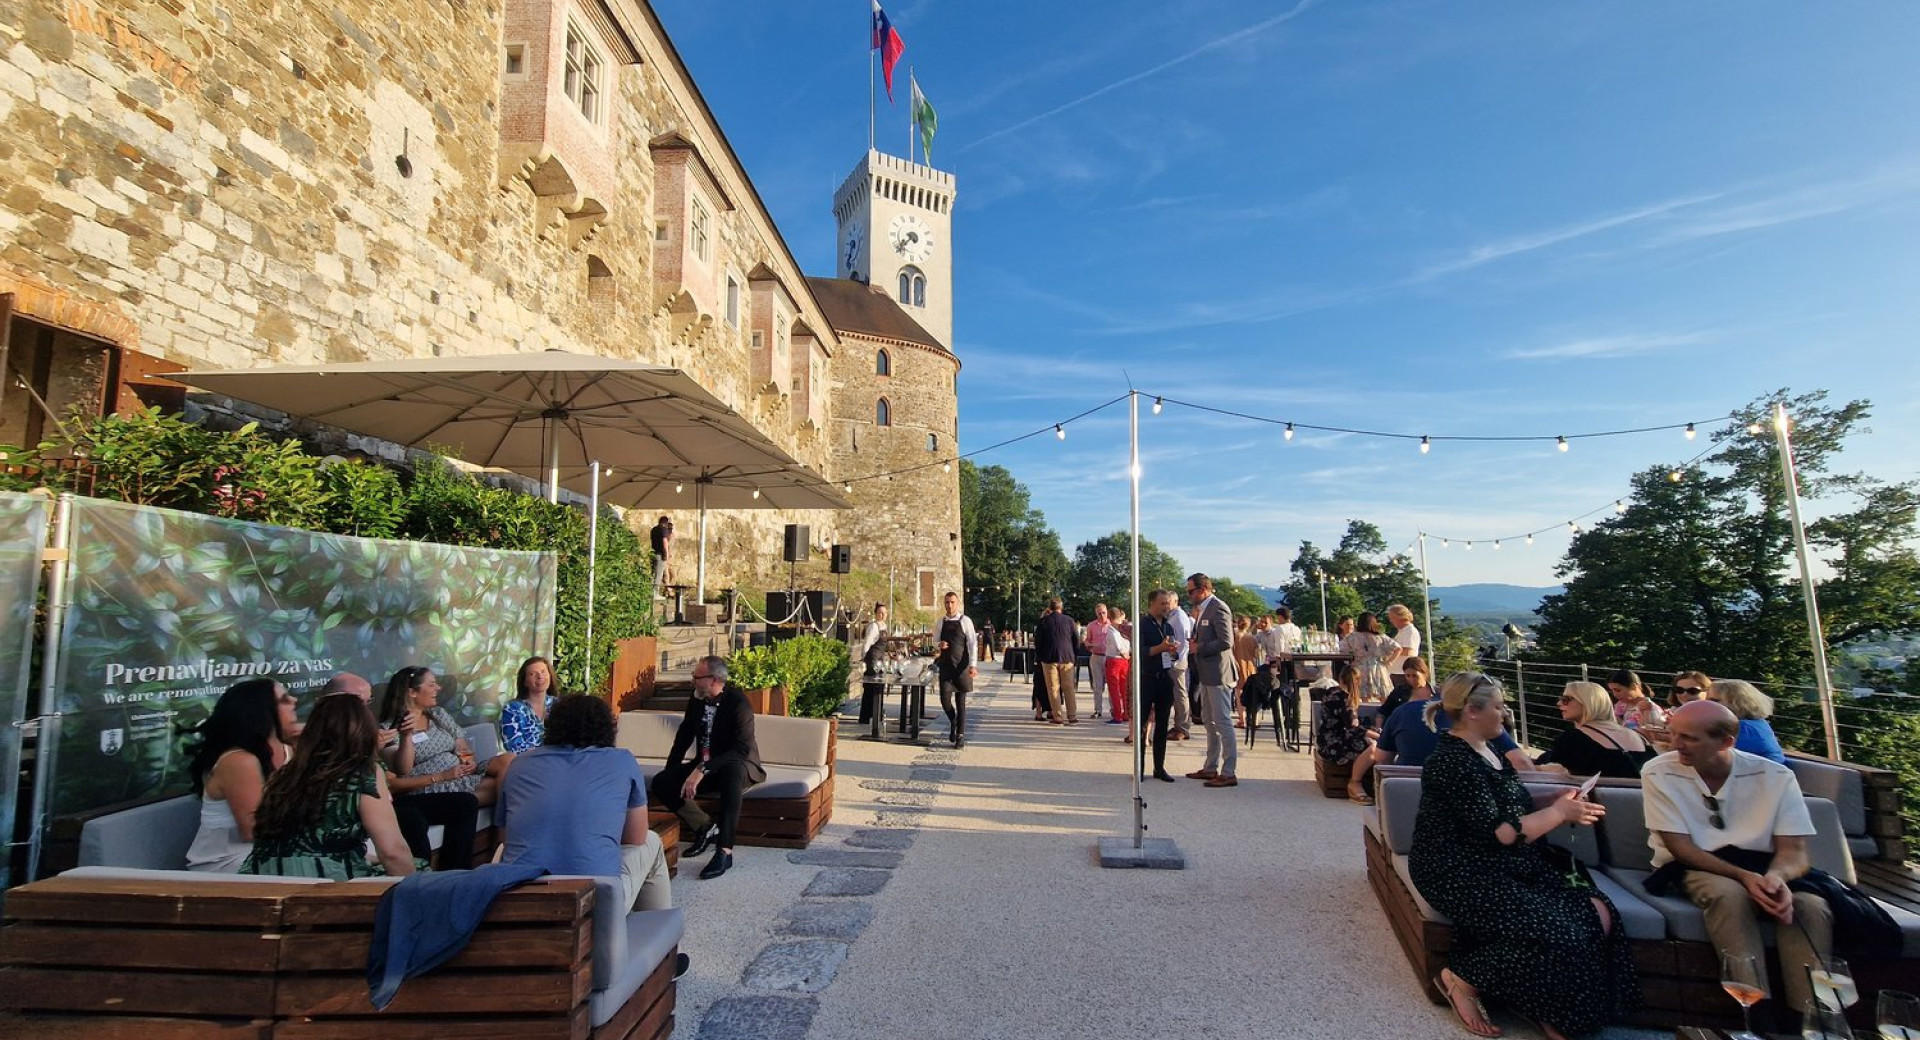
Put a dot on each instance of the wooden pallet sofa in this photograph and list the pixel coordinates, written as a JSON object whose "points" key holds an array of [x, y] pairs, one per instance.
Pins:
{"points": [[1679, 969], [161, 955], [796, 800]]}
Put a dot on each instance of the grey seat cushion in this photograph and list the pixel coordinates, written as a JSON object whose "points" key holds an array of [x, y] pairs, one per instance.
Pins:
{"points": [[154, 836], [1640, 920], [1839, 785], [1399, 803], [783, 781], [646, 937], [185, 876], [1684, 920], [485, 738]]}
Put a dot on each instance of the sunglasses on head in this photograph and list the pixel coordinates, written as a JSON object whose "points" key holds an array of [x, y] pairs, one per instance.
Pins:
{"points": [[1695, 690]]}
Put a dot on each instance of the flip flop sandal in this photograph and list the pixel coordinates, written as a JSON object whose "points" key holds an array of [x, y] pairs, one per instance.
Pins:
{"points": [[1439, 982]]}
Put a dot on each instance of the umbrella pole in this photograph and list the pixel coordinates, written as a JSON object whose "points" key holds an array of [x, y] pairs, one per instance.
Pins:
{"points": [[700, 566], [553, 460], [593, 566]]}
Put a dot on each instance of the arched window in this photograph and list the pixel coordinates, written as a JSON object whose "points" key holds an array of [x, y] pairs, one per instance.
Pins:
{"points": [[883, 364], [913, 287], [882, 413]]}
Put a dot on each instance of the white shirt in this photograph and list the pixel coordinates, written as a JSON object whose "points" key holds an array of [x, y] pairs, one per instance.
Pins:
{"points": [[1283, 638], [1182, 628], [1117, 644], [1407, 636], [1759, 800]]}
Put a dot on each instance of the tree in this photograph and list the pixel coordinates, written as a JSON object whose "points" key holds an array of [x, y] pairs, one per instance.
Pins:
{"points": [[1697, 573], [1243, 601], [1007, 551], [1360, 576], [1102, 572]]}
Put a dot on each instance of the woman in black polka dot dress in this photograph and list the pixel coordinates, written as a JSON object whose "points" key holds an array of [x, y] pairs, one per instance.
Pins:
{"points": [[1528, 931]]}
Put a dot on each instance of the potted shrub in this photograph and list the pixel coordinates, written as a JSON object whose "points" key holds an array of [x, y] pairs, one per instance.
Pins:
{"points": [[759, 672]]}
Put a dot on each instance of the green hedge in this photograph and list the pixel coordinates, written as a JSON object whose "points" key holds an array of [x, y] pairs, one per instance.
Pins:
{"points": [[814, 670], [150, 458]]}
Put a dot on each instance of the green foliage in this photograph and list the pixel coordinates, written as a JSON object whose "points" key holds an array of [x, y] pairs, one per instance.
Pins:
{"points": [[816, 669], [1243, 601], [756, 668], [1883, 732], [151, 458], [1102, 573], [1011, 558]]}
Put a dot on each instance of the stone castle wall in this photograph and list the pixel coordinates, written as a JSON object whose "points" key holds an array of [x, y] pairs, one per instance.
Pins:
{"points": [[218, 183]]}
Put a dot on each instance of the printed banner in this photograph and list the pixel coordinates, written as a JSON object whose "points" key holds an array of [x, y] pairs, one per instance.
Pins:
{"points": [[168, 609], [23, 531]]}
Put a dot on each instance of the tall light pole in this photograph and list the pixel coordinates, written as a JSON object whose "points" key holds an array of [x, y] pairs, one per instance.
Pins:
{"points": [[1019, 605], [1816, 636], [1322, 575], [1426, 600]]}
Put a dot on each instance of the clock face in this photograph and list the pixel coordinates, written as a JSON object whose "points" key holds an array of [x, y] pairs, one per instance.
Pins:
{"points": [[911, 237]]}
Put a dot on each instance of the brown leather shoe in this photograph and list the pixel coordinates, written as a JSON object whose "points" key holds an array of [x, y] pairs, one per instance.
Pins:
{"points": [[1178, 734], [1223, 781], [1203, 774]]}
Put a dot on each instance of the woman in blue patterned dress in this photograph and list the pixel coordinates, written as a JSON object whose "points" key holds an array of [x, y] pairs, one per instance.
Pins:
{"points": [[523, 722]]}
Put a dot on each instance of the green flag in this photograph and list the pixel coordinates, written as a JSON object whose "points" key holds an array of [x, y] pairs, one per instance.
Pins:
{"points": [[924, 117]]}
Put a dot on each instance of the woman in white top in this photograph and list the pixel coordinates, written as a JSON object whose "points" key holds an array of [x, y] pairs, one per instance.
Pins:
{"points": [[242, 740], [1370, 650], [1406, 638]]}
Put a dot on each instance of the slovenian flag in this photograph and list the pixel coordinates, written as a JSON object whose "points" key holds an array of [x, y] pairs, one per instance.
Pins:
{"points": [[886, 40]]}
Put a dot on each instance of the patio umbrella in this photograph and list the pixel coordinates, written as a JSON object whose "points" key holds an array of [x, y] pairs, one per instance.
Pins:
{"points": [[539, 414]]}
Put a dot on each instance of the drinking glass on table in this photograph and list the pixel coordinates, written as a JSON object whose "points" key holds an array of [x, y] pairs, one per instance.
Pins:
{"points": [[1898, 1015], [1820, 1022], [1833, 984], [1741, 977]]}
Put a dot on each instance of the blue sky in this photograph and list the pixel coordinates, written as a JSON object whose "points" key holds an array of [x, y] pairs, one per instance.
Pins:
{"points": [[1421, 216]]}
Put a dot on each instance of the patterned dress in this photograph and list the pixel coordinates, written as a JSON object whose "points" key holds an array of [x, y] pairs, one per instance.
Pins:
{"points": [[434, 753], [335, 849], [1525, 931], [1340, 738], [520, 729]]}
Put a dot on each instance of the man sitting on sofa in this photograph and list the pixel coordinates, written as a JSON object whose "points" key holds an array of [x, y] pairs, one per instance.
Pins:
{"points": [[724, 761], [1735, 827]]}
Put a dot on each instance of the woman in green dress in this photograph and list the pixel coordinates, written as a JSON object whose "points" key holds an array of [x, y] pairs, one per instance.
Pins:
{"points": [[1530, 930], [318, 810]]}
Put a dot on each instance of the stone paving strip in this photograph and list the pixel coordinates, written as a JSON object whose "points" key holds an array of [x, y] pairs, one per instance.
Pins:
{"points": [[812, 937]]}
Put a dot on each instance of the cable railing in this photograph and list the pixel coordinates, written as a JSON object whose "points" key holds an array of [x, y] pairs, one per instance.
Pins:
{"points": [[1882, 731]]}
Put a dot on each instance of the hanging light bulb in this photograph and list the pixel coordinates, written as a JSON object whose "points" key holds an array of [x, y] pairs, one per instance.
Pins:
{"points": [[1691, 433], [1469, 546], [1496, 545], [1571, 526], [847, 487], [1289, 433], [1674, 476], [756, 493], [1560, 442], [946, 467], [1619, 506], [1425, 444], [1444, 543], [1529, 539], [1755, 429], [1157, 404], [678, 488], [1060, 431]]}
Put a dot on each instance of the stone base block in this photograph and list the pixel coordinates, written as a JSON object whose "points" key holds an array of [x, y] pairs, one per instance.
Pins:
{"points": [[1153, 854]]}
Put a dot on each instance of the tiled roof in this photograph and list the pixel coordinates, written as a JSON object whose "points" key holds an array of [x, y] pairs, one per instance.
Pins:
{"points": [[860, 309]]}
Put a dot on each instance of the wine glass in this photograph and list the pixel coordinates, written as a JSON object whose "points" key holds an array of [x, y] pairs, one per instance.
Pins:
{"points": [[1740, 976], [1821, 1022], [1833, 984], [1898, 1015]]}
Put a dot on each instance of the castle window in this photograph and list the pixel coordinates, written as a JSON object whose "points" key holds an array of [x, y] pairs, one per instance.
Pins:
{"points": [[599, 282], [883, 364], [699, 229], [933, 442], [913, 287], [515, 59], [882, 413], [733, 300], [583, 74]]}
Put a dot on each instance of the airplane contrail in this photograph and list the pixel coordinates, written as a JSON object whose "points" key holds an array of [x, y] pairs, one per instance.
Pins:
{"points": [[1211, 45]]}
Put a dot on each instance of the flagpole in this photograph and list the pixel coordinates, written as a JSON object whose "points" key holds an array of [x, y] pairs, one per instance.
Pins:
{"points": [[872, 25], [909, 116]]}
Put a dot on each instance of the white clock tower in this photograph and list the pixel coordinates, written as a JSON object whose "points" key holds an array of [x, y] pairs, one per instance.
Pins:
{"points": [[894, 219]]}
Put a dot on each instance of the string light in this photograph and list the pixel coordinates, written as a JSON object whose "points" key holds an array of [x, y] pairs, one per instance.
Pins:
{"points": [[1755, 429], [1529, 539], [1060, 431], [1571, 526], [1496, 545], [847, 487], [1444, 543], [1158, 403], [1690, 431], [1425, 445], [1289, 432], [1674, 476], [1619, 506], [1561, 443], [679, 488], [1469, 546], [756, 493], [946, 467]]}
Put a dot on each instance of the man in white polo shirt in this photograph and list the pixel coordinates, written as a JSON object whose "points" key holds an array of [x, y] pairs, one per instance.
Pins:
{"points": [[1707, 804]]}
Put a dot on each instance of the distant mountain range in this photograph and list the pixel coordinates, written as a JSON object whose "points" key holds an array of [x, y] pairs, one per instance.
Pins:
{"points": [[1482, 598]]}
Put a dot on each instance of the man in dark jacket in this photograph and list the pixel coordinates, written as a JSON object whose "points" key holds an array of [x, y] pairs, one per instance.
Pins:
{"points": [[721, 760], [1053, 639]]}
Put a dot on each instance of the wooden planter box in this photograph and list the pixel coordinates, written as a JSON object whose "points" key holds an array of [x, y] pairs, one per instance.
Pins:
{"points": [[634, 672]]}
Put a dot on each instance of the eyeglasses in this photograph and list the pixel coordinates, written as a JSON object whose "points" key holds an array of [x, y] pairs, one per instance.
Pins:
{"points": [[1718, 821], [1695, 690], [1565, 699]]}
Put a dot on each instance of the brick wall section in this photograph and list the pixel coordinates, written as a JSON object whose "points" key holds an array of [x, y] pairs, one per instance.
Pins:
{"points": [[215, 183]]}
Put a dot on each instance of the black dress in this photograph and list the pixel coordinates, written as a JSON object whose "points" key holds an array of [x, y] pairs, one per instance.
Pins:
{"points": [[1582, 755], [1525, 931]]}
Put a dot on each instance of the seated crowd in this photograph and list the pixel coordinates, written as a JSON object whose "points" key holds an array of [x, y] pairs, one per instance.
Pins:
{"points": [[350, 794], [1726, 823]]}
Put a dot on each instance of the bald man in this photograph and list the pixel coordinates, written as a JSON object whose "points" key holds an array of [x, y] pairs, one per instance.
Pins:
{"points": [[351, 684], [1737, 826]]}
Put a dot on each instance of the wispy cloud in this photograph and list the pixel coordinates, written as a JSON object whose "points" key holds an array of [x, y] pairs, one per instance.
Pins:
{"points": [[1126, 81], [1516, 245], [1623, 345]]}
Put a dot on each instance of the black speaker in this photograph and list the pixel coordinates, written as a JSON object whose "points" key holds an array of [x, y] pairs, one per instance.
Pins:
{"points": [[843, 559], [799, 543]]}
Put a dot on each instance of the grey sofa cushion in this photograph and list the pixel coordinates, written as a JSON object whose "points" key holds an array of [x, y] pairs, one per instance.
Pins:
{"points": [[1399, 803], [184, 876], [1839, 785], [1640, 920], [1684, 920], [154, 836], [1623, 830], [783, 781], [485, 738], [646, 937]]}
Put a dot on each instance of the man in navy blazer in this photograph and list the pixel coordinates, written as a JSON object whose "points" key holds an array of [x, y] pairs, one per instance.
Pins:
{"points": [[1212, 673]]}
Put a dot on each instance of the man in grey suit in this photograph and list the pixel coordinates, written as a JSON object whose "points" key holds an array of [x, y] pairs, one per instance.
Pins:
{"points": [[1211, 671]]}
